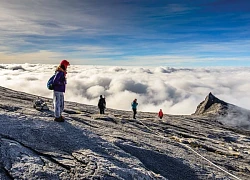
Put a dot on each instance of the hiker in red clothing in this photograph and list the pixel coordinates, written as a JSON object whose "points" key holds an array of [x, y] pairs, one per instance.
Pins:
{"points": [[160, 114]]}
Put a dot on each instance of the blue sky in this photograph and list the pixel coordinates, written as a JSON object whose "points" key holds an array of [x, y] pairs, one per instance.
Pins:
{"points": [[175, 33]]}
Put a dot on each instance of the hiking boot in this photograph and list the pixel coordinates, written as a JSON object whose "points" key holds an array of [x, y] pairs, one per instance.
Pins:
{"points": [[62, 118], [59, 119]]}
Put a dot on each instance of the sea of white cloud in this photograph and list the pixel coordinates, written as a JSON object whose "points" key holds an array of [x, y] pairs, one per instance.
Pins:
{"points": [[174, 90]]}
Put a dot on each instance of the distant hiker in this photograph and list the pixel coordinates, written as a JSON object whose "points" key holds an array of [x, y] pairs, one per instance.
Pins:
{"points": [[134, 107], [160, 114], [102, 104], [59, 86]]}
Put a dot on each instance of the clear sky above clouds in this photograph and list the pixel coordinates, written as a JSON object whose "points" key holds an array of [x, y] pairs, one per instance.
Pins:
{"points": [[126, 32]]}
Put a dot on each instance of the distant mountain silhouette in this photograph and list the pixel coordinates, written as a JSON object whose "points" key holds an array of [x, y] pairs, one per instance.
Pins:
{"points": [[214, 106], [226, 113], [211, 105]]}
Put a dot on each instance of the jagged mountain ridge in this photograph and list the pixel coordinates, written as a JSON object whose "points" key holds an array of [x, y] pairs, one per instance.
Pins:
{"points": [[113, 146], [226, 113], [212, 105]]}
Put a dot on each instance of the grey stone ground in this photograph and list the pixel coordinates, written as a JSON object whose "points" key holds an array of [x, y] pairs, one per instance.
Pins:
{"points": [[113, 146]]}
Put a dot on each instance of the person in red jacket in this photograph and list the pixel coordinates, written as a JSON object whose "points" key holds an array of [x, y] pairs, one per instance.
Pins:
{"points": [[160, 114]]}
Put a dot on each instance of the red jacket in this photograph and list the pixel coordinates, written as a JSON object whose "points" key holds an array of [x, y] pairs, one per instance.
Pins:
{"points": [[160, 114]]}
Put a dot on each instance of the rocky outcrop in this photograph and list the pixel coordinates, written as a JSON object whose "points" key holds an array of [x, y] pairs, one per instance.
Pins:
{"points": [[211, 105], [226, 113]]}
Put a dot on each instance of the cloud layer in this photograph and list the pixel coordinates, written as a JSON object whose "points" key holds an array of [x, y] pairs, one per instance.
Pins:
{"points": [[176, 91]]}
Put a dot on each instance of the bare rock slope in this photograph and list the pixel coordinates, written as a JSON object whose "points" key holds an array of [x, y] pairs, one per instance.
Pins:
{"points": [[113, 146]]}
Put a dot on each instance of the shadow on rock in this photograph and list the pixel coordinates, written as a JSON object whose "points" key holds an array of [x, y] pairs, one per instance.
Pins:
{"points": [[167, 166]]}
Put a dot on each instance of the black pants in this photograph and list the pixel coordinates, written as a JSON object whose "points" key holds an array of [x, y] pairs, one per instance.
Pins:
{"points": [[101, 110], [134, 110]]}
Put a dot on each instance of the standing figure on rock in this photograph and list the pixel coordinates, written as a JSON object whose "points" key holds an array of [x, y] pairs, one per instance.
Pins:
{"points": [[102, 104], [134, 107], [160, 114], [59, 84]]}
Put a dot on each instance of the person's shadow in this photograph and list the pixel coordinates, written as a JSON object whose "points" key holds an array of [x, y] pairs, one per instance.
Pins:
{"points": [[169, 167]]}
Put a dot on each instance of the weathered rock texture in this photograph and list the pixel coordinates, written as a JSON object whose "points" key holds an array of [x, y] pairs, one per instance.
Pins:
{"points": [[212, 105], [226, 113], [113, 146]]}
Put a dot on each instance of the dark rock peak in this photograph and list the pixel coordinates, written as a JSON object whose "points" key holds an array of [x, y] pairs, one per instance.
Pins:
{"points": [[211, 105], [225, 113]]}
